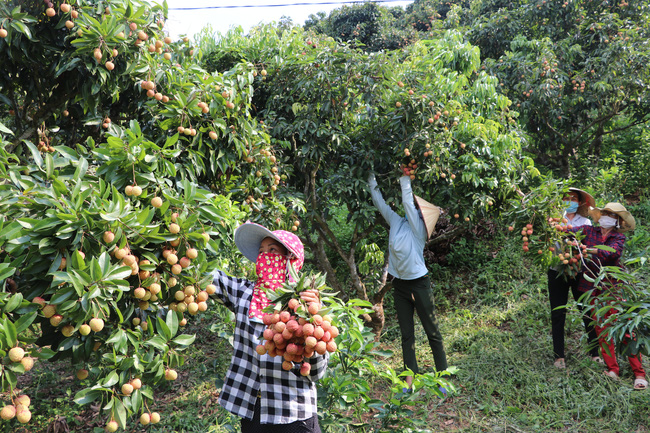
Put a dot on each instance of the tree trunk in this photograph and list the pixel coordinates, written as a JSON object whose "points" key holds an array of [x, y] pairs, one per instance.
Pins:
{"points": [[323, 264], [378, 319], [445, 236], [565, 168], [596, 145], [325, 236]]}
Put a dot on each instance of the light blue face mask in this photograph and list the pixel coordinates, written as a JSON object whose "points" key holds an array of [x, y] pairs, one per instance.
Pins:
{"points": [[571, 206]]}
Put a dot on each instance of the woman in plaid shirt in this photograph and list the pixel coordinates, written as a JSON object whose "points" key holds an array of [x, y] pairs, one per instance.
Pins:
{"points": [[613, 220], [257, 389]]}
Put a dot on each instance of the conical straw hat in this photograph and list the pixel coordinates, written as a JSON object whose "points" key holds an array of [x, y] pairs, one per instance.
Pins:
{"points": [[586, 199], [430, 214], [628, 222]]}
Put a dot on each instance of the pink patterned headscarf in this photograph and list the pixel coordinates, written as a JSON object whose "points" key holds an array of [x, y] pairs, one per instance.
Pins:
{"points": [[294, 245], [272, 269], [249, 236]]}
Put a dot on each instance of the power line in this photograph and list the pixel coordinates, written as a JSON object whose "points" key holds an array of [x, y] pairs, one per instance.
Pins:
{"points": [[282, 5]]}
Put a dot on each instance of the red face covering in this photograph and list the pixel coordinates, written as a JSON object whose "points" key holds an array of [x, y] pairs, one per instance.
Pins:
{"points": [[271, 269]]}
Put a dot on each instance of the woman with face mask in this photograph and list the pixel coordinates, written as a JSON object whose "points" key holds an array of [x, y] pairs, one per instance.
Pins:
{"points": [[577, 203], [613, 220], [266, 397]]}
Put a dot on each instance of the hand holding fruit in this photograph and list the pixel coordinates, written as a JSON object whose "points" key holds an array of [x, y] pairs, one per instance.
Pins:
{"points": [[310, 296], [567, 253], [297, 329]]}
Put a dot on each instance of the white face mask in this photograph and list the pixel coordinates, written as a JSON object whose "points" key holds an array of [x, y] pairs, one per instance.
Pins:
{"points": [[607, 222]]}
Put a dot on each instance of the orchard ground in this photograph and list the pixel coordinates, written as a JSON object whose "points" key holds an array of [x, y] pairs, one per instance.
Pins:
{"points": [[201, 126], [495, 321]]}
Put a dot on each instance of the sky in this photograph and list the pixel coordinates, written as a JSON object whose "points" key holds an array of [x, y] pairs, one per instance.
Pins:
{"points": [[188, 17]]}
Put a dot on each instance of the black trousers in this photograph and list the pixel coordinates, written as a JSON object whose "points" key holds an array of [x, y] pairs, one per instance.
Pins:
{"points": [[413, 296], [309, 425], [558, 295]]}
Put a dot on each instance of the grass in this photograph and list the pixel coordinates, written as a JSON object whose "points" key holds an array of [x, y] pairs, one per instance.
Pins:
{"points": [[498, 338], [507, 378]]}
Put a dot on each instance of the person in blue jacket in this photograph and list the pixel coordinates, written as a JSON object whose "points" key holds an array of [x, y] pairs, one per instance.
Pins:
{"points": [[411, 283]]}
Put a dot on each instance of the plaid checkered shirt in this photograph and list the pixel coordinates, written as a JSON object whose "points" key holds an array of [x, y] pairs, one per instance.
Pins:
{"points": [[286, 396]]}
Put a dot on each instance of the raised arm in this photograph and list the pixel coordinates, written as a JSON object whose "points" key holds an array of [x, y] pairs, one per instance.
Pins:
{"points": [[412, 212], [228, 288], [379, 202]]}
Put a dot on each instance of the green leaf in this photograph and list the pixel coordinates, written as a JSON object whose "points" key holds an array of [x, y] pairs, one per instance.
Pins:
{"points": [[44, 353], [4, 129], [67, 66], [62, 296], [25, 321], [118, 273], [38, 160], [6, 271], [128, 11], [82, 167], [49, 165], [119, 413], [8, 380], [158, 342], [11, 230], [22, 27], [104, 263], [96, 270], [86, 396], [10, 334], [163, 328], [118, 339], [110, 380], [184, 340], [172, 322], [147, 392], [136, 400]]}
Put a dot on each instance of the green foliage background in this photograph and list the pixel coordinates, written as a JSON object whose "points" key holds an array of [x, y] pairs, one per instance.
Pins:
{"points": [[501, 105]]}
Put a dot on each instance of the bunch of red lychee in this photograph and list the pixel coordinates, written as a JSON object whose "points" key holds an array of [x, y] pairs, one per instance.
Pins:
{"points": [[411, 168], [297, 338], [525, 232], [571, 251]]}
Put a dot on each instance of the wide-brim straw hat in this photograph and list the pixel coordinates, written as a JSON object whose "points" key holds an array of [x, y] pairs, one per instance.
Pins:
{"points": [[586, 198], [249, 236], [430, 213], [628, 222]]}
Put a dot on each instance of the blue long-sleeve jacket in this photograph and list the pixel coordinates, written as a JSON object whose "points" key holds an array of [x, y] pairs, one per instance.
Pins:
{"points": [[407, 236]]}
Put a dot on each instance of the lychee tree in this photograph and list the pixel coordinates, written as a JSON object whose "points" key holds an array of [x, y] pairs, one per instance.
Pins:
{"points": [[72, 95], [368, 24], [97, 273], [576, 70], [340, 113], [124, 169]]}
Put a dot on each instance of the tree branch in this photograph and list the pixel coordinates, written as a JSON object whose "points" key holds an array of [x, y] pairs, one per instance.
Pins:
{"points": [[456, 231], [384, 285]]}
